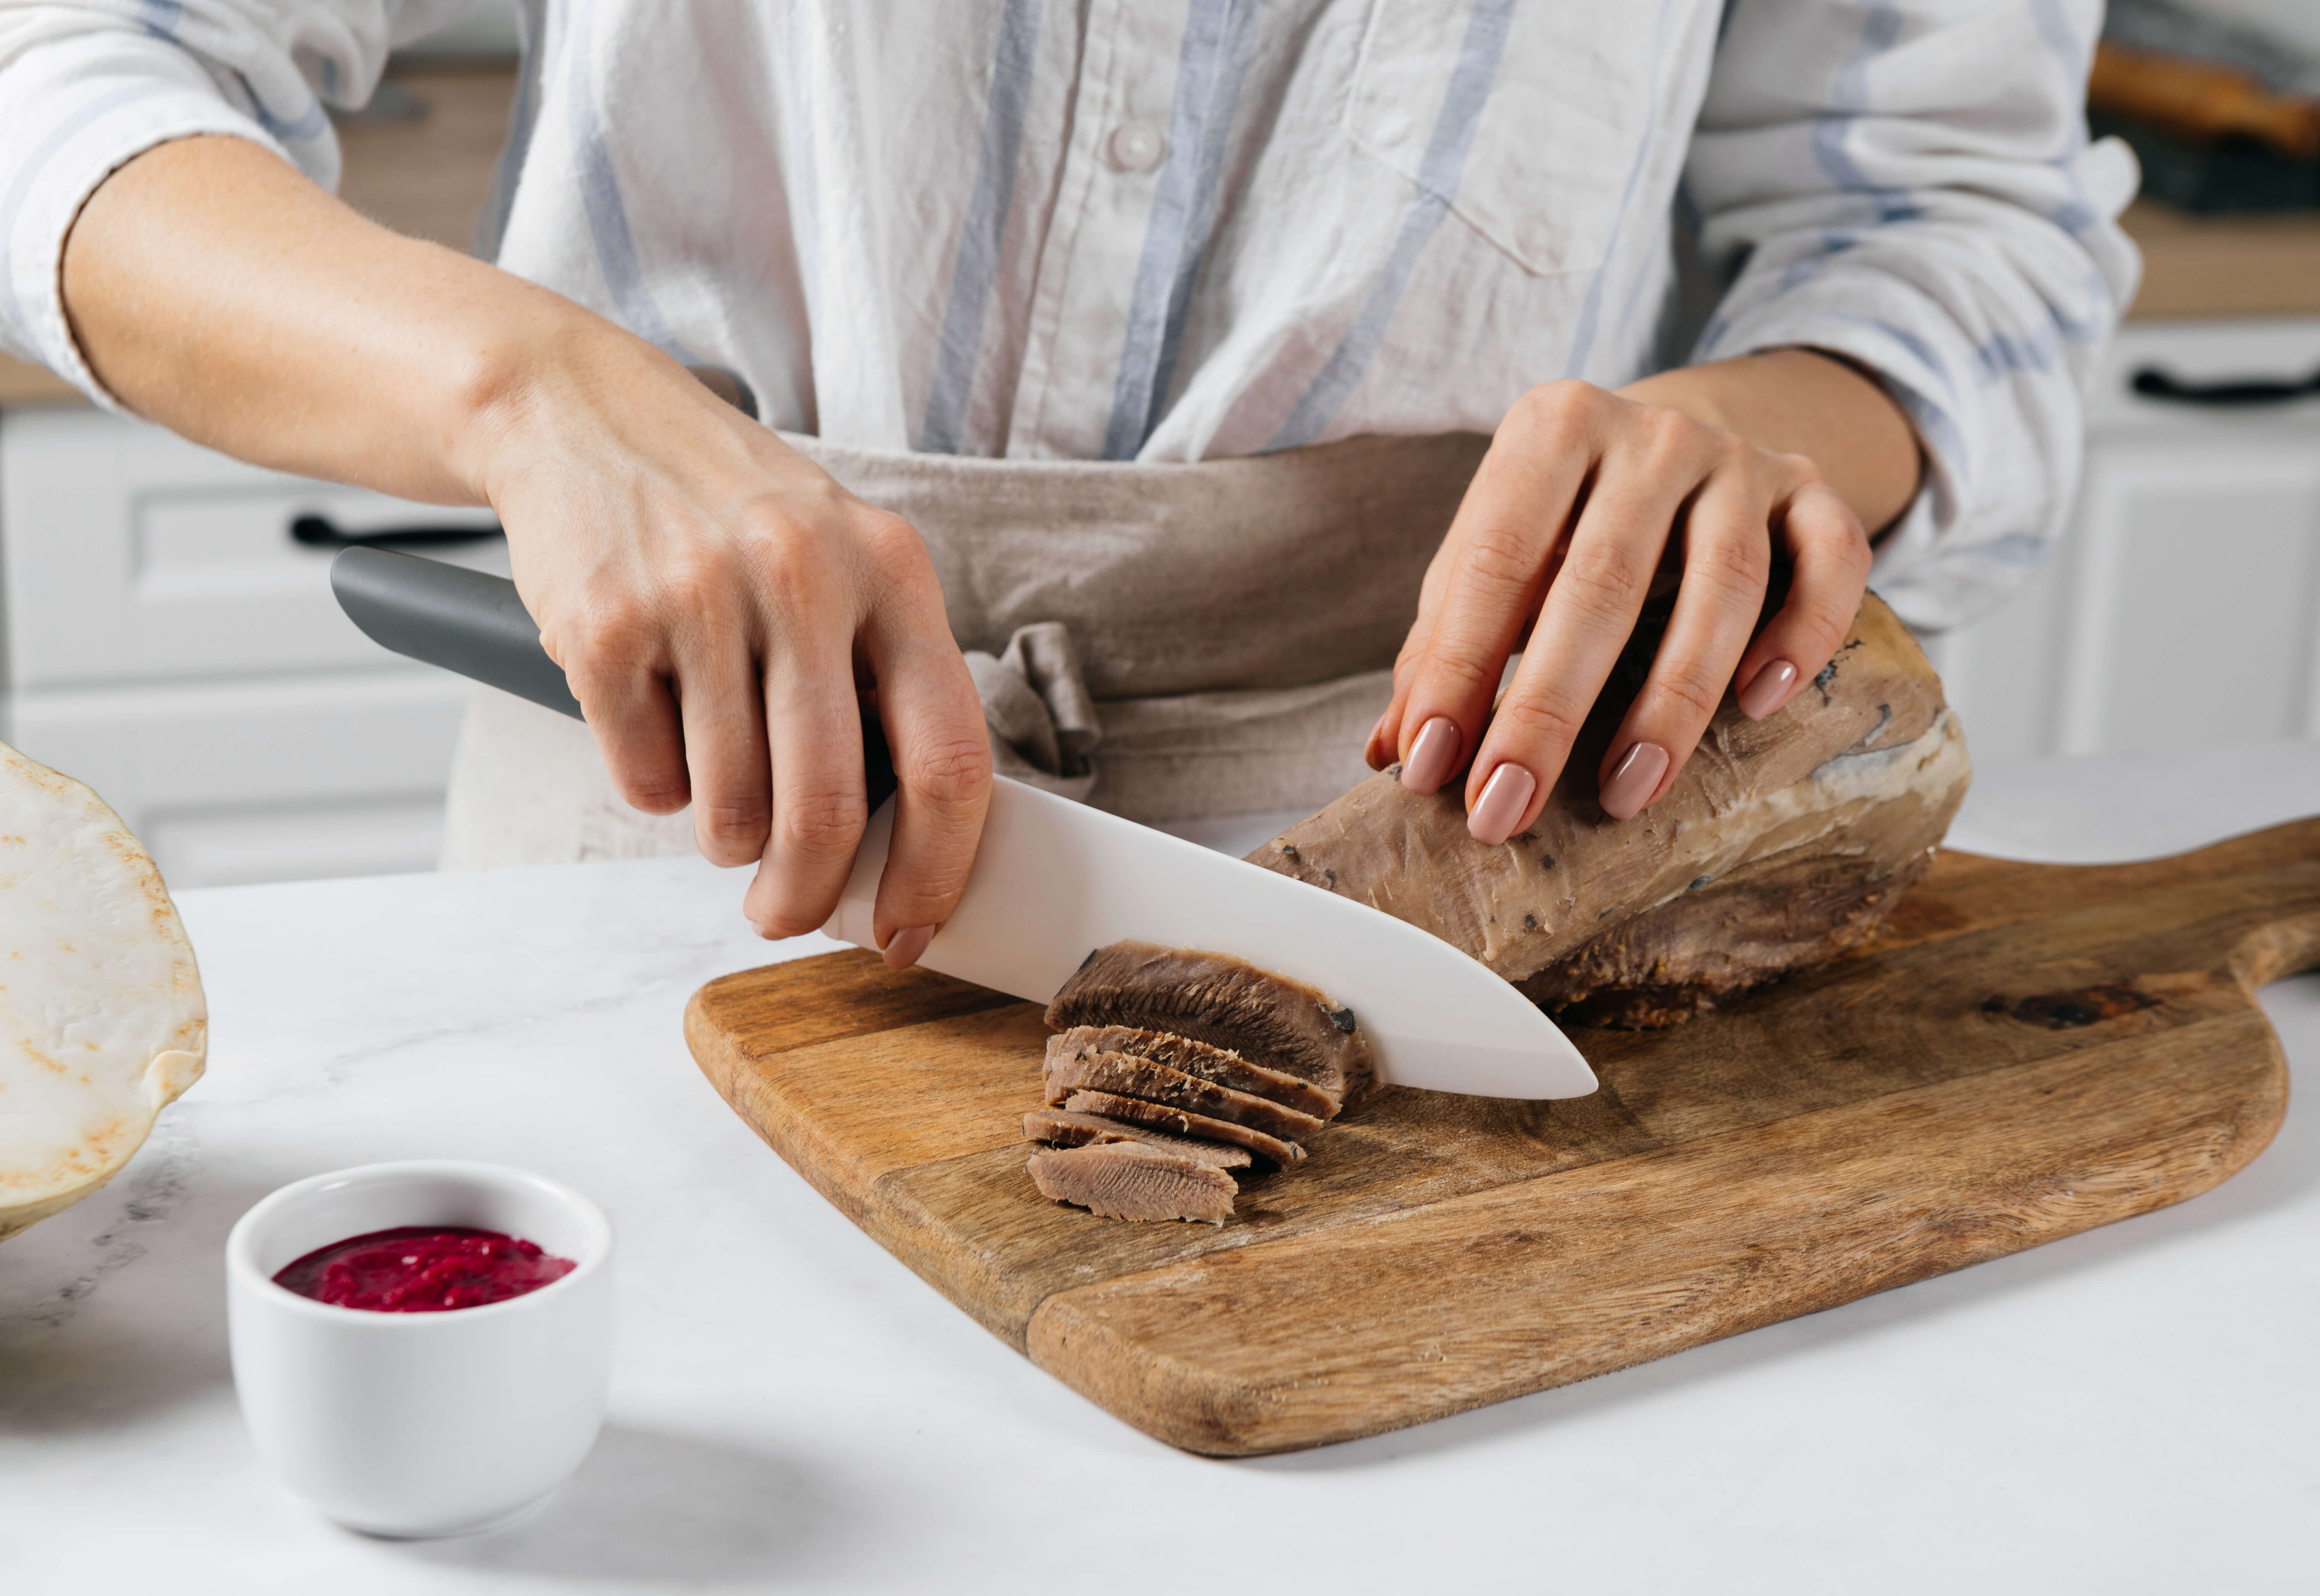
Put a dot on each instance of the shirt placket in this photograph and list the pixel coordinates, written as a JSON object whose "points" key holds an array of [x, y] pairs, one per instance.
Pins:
{"points": [[1087, 268]]}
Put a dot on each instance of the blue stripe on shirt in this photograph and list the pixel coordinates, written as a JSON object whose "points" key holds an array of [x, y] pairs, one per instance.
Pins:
{"points": [[302, 129], [975, 274], [28, 172], [1439, 172], [1880, 30], [600, 196], [1590, 309], [1219, 37]]}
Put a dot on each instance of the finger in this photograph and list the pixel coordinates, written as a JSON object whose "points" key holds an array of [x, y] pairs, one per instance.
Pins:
{"points": [[612, 657], [1728, 560], [1831, 555], [814, 727], [942, 759], [1499, 556], [1384, 744], [1589, 615], [726, 754]]}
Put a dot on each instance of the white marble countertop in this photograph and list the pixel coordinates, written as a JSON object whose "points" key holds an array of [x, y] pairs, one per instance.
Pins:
{"points": [[2135, 1409]]}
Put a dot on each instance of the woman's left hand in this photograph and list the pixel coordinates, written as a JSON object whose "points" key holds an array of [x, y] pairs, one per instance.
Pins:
{"points": [[1584, 497]]}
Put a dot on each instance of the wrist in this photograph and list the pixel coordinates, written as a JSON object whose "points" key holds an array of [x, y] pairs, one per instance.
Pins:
{"points": [[509, 372]]}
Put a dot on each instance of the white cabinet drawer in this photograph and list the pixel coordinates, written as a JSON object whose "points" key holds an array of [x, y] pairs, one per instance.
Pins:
{"points": [[2195, 355], [234, 781], [131, 554], [2181, 609]]}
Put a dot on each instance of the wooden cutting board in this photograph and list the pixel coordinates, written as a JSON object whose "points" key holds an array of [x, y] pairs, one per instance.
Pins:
{"points": [[2024, 1051]]}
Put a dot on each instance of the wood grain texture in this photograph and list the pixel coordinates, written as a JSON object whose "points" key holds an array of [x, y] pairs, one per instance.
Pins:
{"points": [[2023, 1051]]}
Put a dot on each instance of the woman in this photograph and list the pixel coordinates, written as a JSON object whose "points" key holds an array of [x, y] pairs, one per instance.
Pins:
{"points": [[1147, 350]]}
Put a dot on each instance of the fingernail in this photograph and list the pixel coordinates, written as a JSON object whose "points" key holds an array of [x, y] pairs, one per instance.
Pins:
{"points": [[1432, 754], [904, 947], [1375, 755], [1500, 809], [1632, 780], [1762, 696]]}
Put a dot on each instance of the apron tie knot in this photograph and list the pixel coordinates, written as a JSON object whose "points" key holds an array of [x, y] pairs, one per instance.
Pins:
{"points": [[1044, 727]]}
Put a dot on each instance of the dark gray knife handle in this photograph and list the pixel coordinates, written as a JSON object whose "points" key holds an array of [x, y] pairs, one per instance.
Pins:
{"points": [[473, 622], [467, 621]]}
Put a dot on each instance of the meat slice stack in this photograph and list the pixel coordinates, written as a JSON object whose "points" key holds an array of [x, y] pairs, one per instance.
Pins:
{"points": [[1172, 1067]]}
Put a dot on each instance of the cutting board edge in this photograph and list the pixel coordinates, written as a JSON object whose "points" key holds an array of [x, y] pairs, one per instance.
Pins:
{"points": [[1171, 1398]]}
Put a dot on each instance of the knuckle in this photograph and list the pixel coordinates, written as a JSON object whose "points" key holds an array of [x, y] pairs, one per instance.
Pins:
{"points": [[1829, 623], [1669, 434], [822, 824], [1740, 567], [736, 820], [1602, 577], [1689, 689], [608, 626], [1540, 721], [1800, 469], [949, 772], [1499, 558], [698, 583], [1557, 406], [891, 540], [1462, 666]]}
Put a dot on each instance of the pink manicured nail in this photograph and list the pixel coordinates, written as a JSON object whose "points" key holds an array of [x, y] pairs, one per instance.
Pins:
{"points": [[1433, 754], [904, 947], [1500, 809], [1762, 696], [1632, 779], [1370, 750]]}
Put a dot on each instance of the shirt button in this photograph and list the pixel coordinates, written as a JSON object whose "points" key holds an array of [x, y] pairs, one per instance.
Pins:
{"points": [[1136, 147]]}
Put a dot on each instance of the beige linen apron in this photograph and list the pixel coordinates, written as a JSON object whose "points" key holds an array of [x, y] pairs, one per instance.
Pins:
{"points": [[1166, 641]]}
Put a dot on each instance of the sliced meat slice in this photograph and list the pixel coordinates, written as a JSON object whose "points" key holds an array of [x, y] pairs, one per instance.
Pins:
{"points": [[1069, 1072], [1209, 1063], [1135, 1111], [1130, 1180], [1078, 1130], [1225, 1002]]}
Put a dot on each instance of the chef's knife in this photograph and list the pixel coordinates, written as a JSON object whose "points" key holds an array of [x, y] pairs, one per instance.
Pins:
{"points": [[1054, 880]]}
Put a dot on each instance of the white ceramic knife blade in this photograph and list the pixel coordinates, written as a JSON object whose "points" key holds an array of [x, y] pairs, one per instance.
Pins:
{"points": [[1054, 880]]}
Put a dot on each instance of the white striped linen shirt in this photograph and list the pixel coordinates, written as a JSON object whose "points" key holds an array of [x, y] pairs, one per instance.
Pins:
{"points": [[1131, 229]]}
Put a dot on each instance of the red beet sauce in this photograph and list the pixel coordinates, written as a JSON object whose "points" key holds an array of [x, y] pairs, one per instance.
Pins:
{"points": [[423, 1269]]}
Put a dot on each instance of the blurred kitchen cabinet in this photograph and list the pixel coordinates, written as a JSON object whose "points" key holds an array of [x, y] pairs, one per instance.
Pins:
{"points": [[2182, 608], [171, 640]]}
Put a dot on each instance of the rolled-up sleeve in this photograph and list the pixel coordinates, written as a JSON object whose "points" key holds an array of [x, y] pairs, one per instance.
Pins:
{"points": [[89, 84], [1910, 186]]}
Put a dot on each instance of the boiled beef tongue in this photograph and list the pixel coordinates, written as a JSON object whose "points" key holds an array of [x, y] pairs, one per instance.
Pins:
{"points": [[1781, 843], [1134, 1180], [1220, 1064], [1170, 1058], [1135, 1111], [1066, 1128], [1225, 1002], [1079, 1069]]}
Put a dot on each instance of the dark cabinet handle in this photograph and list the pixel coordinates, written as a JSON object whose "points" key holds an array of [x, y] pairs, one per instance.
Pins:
{"points": [[319, 531], [2154, 383]]}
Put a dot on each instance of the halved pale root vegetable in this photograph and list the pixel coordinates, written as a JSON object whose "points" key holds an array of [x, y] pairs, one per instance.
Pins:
{"points": [[101, 1022]]}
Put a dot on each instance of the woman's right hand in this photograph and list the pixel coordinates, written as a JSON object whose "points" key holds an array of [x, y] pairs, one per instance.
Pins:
{"points": [[716, 600]]}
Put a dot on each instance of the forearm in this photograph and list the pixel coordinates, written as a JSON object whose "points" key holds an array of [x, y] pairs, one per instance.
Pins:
{"points": [[214, 289], [1803, 402]]}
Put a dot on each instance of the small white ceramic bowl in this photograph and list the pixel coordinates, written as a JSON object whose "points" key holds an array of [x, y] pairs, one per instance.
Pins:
{"points": [[417, 1425]]}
